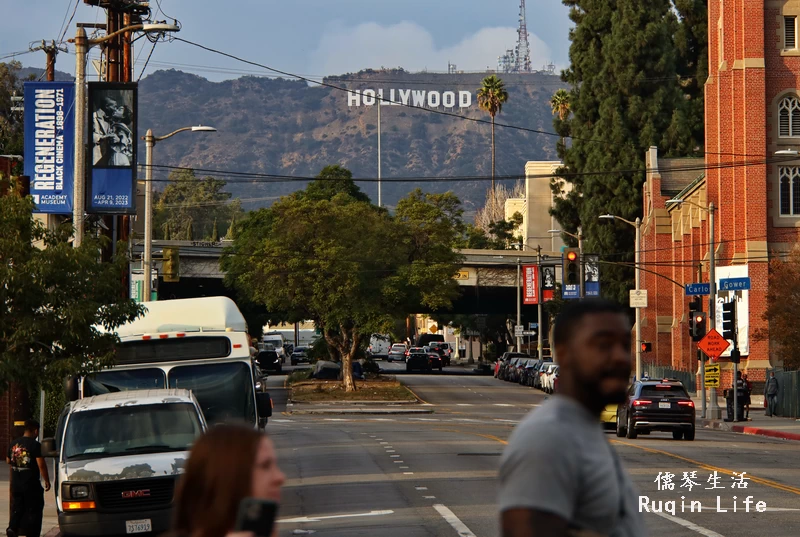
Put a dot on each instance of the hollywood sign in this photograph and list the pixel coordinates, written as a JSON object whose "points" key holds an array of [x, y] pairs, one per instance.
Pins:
{"points": [[407, 97]]}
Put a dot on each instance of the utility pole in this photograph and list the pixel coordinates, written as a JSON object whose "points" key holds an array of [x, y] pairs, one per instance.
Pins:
{"points": [[519, 304], [715, 411], [539, 309], [583, 263], [51, 49], [379, 103], [701, 358]]}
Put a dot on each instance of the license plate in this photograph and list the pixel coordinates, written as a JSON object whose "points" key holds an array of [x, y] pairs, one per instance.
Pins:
{"points": [[663, 405], [139, 526]]}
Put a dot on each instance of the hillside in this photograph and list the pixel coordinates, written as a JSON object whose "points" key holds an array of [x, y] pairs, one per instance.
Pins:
{"points": [[286, 127]]}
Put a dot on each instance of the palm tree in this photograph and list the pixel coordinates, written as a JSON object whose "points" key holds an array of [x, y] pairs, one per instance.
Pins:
{"points": [[559, 102], [491, 96]]}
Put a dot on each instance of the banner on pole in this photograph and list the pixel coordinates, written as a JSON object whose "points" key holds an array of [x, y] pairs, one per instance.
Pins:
{"points": [[591, 281], [50, 144], [112, 181], [530, 275], [548, 283]]}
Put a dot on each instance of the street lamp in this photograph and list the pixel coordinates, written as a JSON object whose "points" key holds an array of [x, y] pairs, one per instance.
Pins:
{"points": [[578, 237], [147, 258], [714, 409], [637, 248], [82, 46], [786, 153]]}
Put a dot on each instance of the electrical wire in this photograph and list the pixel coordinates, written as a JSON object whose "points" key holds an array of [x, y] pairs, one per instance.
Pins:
{"points": [[65, 27], [153, 48]]}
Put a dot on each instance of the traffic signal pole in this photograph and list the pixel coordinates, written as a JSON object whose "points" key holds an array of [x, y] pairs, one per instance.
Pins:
{"points": [[714, 410], [582, 263], [701, 358]]}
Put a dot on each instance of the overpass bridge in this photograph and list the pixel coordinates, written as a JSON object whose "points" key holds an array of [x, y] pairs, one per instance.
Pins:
{"points": [[488, 277]]}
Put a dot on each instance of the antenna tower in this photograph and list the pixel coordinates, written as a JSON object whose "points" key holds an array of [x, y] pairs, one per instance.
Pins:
{"points": [[523, 56]]}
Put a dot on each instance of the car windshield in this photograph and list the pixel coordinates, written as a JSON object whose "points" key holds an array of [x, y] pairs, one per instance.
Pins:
{"points": [[299, 349], [120, 381], [127, 430], [663, 390], [398, 347], [224, 391]]}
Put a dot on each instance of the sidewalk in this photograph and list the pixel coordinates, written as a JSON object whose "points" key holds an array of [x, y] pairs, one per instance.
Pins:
{"points": [[758, 424]]}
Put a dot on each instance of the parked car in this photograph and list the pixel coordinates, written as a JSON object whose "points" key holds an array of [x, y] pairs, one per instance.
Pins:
{"points": [[269, 361], [419, 361], [608, 417], [657, 405], [547, 380], [503, 361], [300, 354], [397, 352]]}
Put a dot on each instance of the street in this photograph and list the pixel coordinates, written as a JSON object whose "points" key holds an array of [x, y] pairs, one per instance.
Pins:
{"points": [[436, 475]]}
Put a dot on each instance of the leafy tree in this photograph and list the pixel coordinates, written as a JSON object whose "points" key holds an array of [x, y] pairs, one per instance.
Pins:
{"points": [[11, 124], [691, 43], [328, 256], [625, 98], [783, 310], [189, 207], [491, 97], [52, 300], [332, 180], [499, 237]]}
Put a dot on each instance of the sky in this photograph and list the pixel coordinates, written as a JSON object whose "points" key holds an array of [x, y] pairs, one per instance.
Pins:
{"points": [[310, 37]]}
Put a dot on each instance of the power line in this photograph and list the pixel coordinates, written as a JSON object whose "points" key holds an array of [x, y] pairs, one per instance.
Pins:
{"points": [[153, 48]]}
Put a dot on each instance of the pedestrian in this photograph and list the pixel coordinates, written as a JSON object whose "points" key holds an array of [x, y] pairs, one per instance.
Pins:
{"points": [[582, 489], [28, 467], [226, 465], [748, 387], [771, 394]]}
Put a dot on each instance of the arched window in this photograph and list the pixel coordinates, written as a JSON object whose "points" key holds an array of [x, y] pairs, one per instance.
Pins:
{"points": [[789, 112], [789, 178]]}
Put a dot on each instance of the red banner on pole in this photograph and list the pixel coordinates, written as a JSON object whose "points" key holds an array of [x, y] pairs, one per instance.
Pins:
{"points": [[530, 274]]}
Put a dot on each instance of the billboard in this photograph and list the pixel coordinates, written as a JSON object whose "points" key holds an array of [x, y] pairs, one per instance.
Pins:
{"points": [[50, 144], [112, 160], [530, 282]]}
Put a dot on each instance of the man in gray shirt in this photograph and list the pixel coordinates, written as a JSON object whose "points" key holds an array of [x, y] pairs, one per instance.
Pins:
{"points": [[559, 476]]}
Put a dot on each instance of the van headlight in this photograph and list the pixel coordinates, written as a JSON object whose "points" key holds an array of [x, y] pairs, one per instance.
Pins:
{"points": [[79, 491]]}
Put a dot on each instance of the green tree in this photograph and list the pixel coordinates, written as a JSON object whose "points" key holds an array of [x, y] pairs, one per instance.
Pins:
{"points": [[332, 180], [624, 98], [11, 123], [215, 232], [190, 206], [53, 296], [783, 310], [559, 103], [345, 264], [491, 97]]}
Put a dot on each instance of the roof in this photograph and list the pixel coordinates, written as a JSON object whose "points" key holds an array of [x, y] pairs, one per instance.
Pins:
{"points": [[678, 173], [207, 314], [133, 398]]}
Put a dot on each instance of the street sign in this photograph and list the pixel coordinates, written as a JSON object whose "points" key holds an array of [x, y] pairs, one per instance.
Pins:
{"points": [[639, 298], [712, 382], [712, 370], [529, 332], [734, 284], [713, 344], [519, 330], [461, 275], [695, 289], [533, 325]]}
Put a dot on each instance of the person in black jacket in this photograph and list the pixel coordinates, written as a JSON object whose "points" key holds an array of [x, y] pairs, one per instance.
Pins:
{"points": [[28, 466]]}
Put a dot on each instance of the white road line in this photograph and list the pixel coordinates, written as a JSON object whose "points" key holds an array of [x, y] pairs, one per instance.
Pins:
{"points": [[502, 404], [423, 419], [390, 450], [319, 518], [421, 488], [404, 467], [384, 442], [282, 421], [464, 404], [782, 509], [429, 497], [408, 473], [398, 462], [690, 525], [453, 520]]}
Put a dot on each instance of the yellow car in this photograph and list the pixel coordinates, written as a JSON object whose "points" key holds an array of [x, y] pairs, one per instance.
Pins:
{"points": [[608, 417]]}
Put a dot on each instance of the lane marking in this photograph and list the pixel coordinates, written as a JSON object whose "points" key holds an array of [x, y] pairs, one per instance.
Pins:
{"points": [[464, 404], [690, 525], [429, 497], [752, 478], [384, 442], [408, 473], [502, 404], [394, 456], [281, 421], [398, 462], [488, 436], [404, 467], [451, 518], [390, 450], [421, 488], [330, 517]]}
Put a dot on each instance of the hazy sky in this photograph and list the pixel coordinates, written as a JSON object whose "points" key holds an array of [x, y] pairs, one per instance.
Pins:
{"points": [[312, 37]]}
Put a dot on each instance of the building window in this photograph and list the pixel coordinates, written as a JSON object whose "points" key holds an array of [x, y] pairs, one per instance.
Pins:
{"points": [[789, 112], [790, 190], [789, 33]]}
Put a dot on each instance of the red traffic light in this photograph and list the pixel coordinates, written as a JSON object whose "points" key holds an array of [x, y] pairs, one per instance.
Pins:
{"points": [[698, 318], [572, 256]]}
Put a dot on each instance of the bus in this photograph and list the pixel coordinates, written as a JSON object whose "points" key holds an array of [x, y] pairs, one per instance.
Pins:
{"points": [[196, 344]]}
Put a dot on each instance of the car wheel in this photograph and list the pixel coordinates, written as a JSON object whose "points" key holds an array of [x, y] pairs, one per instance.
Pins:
{"points": [[677, 435], [689, 435], [631, 433], [621, 431]]}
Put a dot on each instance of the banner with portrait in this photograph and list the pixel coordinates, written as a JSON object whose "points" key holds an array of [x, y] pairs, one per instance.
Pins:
{"points": [[548, 283], [50, 145], [112, 155], [591, 275]]}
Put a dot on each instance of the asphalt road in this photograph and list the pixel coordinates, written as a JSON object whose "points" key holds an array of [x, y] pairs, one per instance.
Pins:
{"points": [[401, 475]]}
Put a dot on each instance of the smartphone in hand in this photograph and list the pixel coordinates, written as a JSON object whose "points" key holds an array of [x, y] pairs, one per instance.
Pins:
{"points": [[256, 516]]}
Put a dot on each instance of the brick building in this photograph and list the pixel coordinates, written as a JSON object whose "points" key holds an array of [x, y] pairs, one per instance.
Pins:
{"points": [[752, 110]]}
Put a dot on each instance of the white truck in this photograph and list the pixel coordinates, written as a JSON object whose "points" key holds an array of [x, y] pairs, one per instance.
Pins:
{"points": [[276, 340], [379, 345]]}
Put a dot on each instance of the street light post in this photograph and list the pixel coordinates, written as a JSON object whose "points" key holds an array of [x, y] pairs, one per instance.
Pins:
{"points": [[147, 256], [539, 337], [519, 305], [82, 46]]}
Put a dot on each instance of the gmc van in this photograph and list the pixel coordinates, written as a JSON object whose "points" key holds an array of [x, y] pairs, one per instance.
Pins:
{"points": [[118, 457]]}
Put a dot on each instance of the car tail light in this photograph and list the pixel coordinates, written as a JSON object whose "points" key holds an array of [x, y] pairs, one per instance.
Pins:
{"points": [[687, 403], [641, 402]]}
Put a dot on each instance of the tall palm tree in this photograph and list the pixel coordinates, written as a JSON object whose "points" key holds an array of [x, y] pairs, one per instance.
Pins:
{"points": [[491, 97], [559, 102]]}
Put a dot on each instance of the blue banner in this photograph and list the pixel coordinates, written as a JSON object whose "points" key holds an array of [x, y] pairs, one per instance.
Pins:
{"points": [[50, 144], [591, 281], [112, 182]]}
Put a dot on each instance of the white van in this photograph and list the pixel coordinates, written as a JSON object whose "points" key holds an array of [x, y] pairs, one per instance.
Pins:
{"points": [[118, 457]]}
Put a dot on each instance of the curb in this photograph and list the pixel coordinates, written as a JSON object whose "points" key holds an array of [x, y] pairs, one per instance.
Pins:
{"points": [[334, 402], [746, 429], [369, 411], [53, 532]]}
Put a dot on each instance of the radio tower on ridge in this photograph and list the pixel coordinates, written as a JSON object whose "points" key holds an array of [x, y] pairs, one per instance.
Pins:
{"points": [[523, 63]]}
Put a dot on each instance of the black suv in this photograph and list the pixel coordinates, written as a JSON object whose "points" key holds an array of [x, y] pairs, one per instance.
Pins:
{"points": [[657, 405], [269, 361]]}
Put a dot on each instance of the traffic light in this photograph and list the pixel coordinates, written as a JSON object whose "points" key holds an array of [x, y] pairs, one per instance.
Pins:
{"points": [[572, 266], [647, 346], [171, 266], [697, 325], [729, 321], [696, 304]]}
